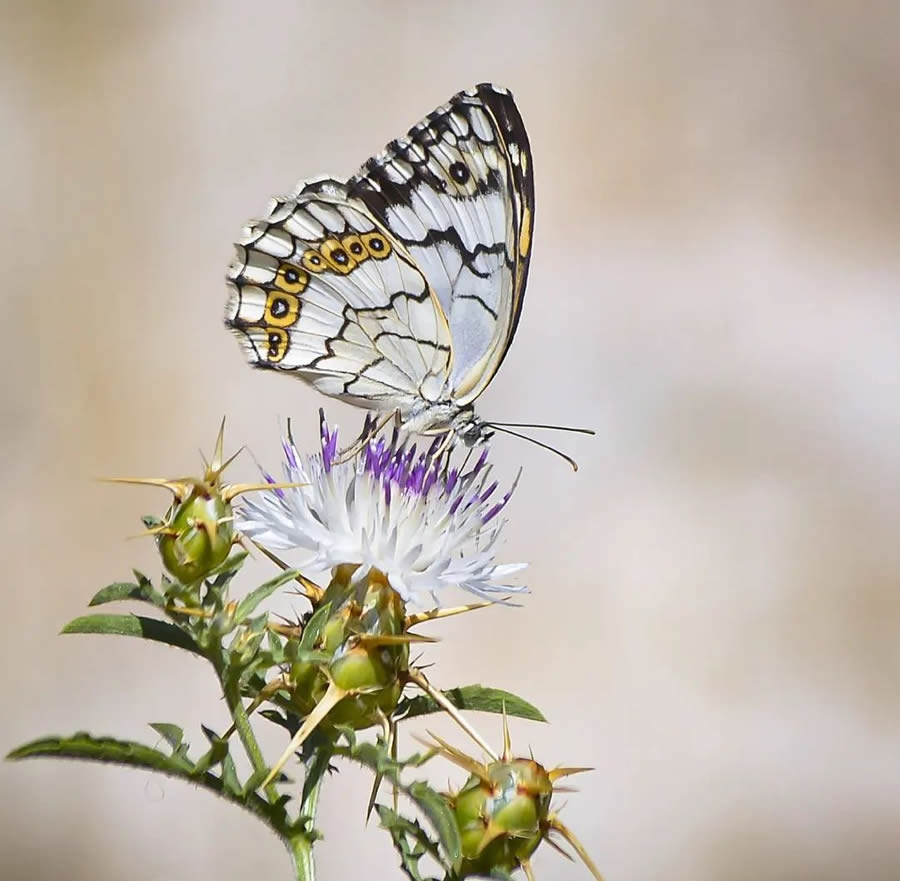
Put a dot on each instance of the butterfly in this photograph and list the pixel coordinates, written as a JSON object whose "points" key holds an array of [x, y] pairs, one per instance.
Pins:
{"points": [[400, 288]]}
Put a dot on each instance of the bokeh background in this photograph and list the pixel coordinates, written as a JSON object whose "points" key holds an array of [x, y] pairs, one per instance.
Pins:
{"points": [[715, 617]]}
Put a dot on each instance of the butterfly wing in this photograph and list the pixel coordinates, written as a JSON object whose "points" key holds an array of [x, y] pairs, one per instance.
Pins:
{"points": [[458, 193], [321, 289]]}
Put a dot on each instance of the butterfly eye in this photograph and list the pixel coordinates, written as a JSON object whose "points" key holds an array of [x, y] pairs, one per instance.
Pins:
{"points": [[312, 260], [277, 340], [291, 279], [376, 245], [281, 309], [355, 248], [337, 256]]}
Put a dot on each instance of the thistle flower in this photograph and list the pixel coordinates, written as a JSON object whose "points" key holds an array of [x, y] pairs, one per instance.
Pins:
{"points": [[423, 522]]}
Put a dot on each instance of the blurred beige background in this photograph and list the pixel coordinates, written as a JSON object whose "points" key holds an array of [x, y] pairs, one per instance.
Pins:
{"points": [[715, 616]]}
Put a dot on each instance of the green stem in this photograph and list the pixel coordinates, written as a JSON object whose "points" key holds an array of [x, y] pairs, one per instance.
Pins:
{"points": [[232, 692], [300, 847], [301, 843]]}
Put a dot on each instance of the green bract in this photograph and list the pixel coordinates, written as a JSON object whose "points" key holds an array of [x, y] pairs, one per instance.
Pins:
{"points": [[198, 534]]}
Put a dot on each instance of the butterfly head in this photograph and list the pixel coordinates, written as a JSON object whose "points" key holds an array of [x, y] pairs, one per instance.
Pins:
{"points": [[469, 428]]}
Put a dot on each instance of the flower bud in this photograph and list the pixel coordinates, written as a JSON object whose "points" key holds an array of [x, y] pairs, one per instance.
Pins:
{"points": [[502, 815], [364, 660], [198, 535]]}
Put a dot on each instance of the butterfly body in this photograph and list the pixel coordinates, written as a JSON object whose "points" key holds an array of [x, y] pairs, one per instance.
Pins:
{"points": [[399, 289]]}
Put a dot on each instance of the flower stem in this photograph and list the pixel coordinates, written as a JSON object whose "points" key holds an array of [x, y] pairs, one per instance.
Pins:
{"points": [[232, 692], [301, 843], [300, 847]]}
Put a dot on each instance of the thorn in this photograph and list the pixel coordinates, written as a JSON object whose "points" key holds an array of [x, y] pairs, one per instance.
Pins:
{"points": [[218, 453], [329, 701], [434, 614], [559, 773], [559, 849], [229, 460], [180, 488], [526, 868], [507, 745], [374, 641], [311, 590], [162, 529], [459, 758], [441, 700], [235, 489], [555, 823]]}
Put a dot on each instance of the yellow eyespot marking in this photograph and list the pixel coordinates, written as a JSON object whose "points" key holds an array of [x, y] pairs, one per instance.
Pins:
{"points": [[355, 248], [277, 339], [525, 233], [312, 260], [282, 309], [376, 244], [336, 256], [291, 279]]}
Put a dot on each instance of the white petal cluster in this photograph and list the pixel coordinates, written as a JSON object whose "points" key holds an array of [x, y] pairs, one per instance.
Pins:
{"points": [[426, 525]]}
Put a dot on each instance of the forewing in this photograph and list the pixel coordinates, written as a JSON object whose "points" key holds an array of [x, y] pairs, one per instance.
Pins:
{"points": [[321, 289], [458, 193]]}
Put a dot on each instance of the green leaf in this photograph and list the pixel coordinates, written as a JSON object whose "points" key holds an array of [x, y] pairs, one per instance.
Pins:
{"points": [[217, 753], [134, 625], [431, 803], [226, 570], [411, 841], [246, 606], [435, 806], [472, 697], [313, 627], [124, 590], [230, 779], [172, 734], [137, 755]]}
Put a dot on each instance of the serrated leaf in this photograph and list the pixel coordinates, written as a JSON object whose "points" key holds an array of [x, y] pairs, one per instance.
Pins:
{"points": [[472, 697], [411, 841], [172, 734], [137, 755], [127, 590], [246, 606], [82, 745], [134, 625]]}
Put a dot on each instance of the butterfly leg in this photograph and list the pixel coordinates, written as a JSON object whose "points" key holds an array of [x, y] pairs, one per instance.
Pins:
{"points": [[370, 430], [447, 442]]}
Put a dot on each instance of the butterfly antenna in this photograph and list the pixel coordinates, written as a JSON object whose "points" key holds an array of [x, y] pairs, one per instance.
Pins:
{"points": [[537, 443], [548, 427]]}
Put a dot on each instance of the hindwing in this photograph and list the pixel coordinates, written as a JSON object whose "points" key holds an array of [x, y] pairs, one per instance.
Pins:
{"points": [[322, 289]]}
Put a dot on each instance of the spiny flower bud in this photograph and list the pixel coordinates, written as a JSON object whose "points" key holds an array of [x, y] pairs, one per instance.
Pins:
{"points": [[198, 531], [502, 814], [503, 811], [368, 651], [353, 669]]}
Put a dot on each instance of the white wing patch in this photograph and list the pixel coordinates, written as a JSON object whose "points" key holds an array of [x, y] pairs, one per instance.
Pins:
{"points": [[402, 287], [347, 310]]}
